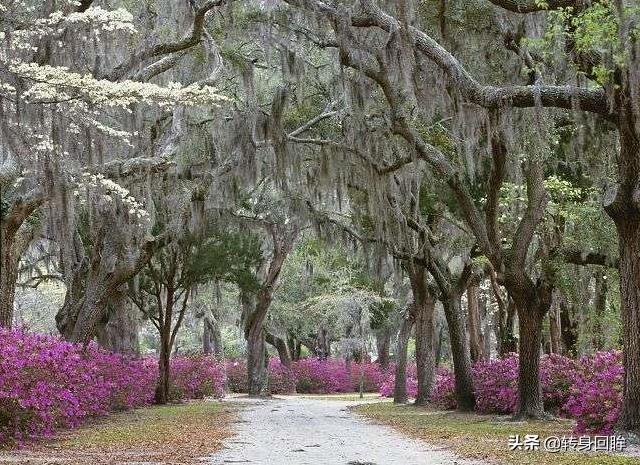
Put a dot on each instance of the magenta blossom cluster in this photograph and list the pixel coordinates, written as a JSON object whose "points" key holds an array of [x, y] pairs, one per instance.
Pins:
{"points": [[388, 384], [196, 377], [310, 376], [46, 383], [589, 389], [595, 397]]}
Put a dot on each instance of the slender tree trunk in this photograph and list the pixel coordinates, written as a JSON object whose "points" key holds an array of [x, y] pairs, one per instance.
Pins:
{"points": [[568, 328], [461, 361], [474, 321], [507, 342], [424, 307], [207, 336], [383, 343], [439, 338], [555, 334], [400, 395], [530, 403], [164, 370], [600, 306]]}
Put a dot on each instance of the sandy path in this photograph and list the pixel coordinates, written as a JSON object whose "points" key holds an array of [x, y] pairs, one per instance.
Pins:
{"points": [[296, 430]]}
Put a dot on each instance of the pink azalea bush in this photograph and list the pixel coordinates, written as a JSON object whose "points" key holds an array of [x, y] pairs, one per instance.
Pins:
{"points": [[196, 377], [495, 385], [595, 398], [443, 393], [282, 380], [387, 385], [309, 376], [46, 383], [589, 389], [236, 371]]}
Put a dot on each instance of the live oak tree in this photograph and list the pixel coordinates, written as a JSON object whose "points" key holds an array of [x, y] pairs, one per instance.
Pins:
{"points": [[366, 15], [58, 122]]}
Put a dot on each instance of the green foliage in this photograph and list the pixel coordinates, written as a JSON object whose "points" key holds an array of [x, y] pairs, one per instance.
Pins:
{"points": [[230, 257]]}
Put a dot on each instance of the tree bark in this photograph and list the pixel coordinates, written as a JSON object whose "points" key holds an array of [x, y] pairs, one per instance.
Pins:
{"points": [[383, 343], [530, 404], [507, 342], [119, 333], [322, 347], [212, 338], [459, 351], [474, 321], [630, 302], [400, 395], [622, 204], [555, 334], [424, 307], [568, 328], [600, 306], [164, 370], [8, 277], [15, 237], [281, 346]]}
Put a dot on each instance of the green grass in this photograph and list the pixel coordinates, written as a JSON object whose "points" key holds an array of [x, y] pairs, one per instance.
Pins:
{"points": [[484, 437]]}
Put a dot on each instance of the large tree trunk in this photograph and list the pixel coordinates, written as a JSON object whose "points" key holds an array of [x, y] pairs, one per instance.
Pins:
{"points": [[80, 315], [254, 314], [8, 276], [474, 321], [530, 402], [256, 362], [13, 243], [630, 302], [424, 307], [120, 332], [383, 343], [465, 397], [622, 203], [400, 395]]}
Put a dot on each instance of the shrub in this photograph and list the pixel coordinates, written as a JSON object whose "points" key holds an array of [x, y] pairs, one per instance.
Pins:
{"points": [[281, 379], [495, 384], [557, 376], [596, 395], [444, 390], [196, 377], [387, 385], [316, 376], [373, 376], [47, 383], [236, 370], [589, 390]]}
